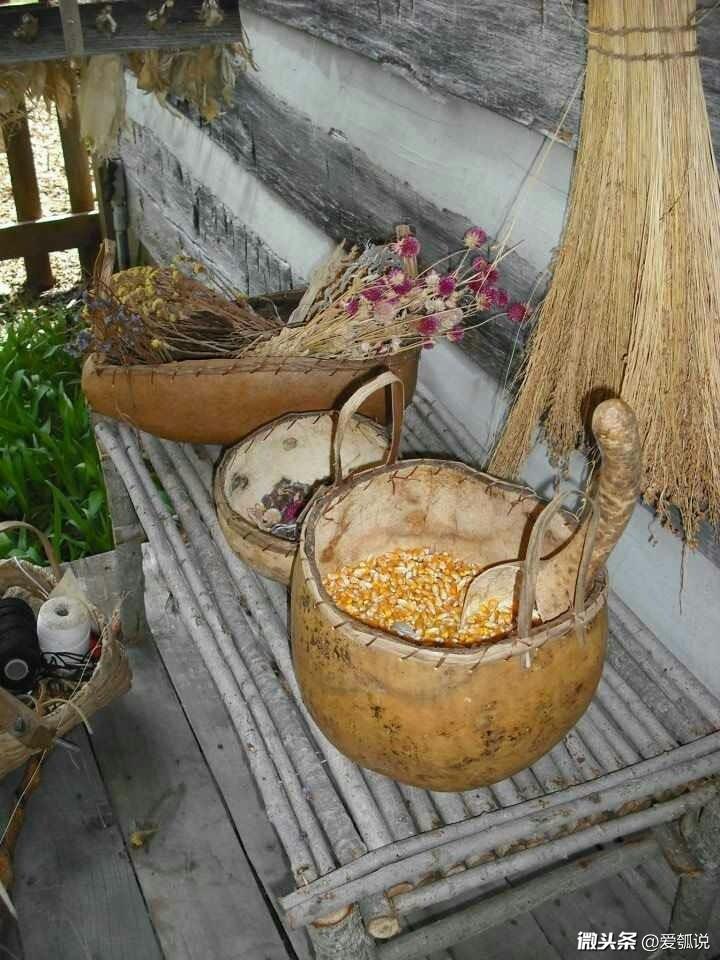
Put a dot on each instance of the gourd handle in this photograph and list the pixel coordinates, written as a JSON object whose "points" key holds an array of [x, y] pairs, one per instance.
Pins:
{"points": [[618, 486], [353, 404], [47, 546], [533, 563]]}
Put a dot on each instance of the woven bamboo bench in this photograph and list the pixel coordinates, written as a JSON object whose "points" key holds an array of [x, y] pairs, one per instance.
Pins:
{"points": [[636, 776]]}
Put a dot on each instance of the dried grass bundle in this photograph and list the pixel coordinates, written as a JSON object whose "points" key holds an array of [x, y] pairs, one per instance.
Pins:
{"points": [[101, 102], [371, 301], [634, 305], [157, 314], [205, 77], [48, 82]]}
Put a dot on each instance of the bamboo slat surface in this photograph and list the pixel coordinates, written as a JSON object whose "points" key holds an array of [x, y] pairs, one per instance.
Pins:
{"points": [[652, 726]]}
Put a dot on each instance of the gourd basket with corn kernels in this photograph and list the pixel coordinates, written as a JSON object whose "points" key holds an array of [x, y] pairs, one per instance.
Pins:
{"points": [[448, 628]]}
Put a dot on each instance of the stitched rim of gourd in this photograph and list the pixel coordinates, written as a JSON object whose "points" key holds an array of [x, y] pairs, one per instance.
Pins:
{"points": [[239, 524]]}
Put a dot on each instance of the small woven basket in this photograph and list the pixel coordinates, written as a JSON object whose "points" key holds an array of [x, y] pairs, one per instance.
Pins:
{"points": [[110, 678], [298, 446]]}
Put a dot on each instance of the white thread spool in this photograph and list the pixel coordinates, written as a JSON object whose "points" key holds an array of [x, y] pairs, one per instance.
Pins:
{"points": [[64, 625]]}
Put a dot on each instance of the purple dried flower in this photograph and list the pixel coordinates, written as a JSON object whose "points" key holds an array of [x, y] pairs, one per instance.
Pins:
{"points": [[407, 247], [429, 325], [373, 293], [352, 306], [518, 312], [456, 333], [446, 285], [482, 301], [400, 282], [502, 298], [474, 237]]}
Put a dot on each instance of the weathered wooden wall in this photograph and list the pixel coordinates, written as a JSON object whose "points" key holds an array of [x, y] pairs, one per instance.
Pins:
{"points": [[430, 112], [520, 59]]}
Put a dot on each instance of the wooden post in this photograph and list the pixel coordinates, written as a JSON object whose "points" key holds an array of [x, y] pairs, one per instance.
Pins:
{"points": [[26, 194], [698, 892], [72, 28], [103, 174], [342, 935], [77, 169]]}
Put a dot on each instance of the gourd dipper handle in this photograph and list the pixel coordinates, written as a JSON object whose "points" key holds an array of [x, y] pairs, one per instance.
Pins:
{"points": [[616, 431], [615, 494]]}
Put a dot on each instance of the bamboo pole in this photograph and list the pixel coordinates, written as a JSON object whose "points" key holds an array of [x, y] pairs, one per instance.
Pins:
{"points": [[506, 793], [669, 674], [450, 806], [356, 794], [549, 776], [278, 808], [479, 801], [642, 741], [507, 904], [421, 808], [624, 693], [251, 662], [423, 438], [570, 770], [527, 784], [582, 756], [672, 712], [376, 909], [521, 821], [389, 799], [553, 851], [606, 727], [26, 194], [342, 937], [601, 748], [225, 659]]}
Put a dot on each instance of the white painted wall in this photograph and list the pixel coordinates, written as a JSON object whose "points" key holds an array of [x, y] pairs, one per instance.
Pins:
{"points": [[469, 160]]}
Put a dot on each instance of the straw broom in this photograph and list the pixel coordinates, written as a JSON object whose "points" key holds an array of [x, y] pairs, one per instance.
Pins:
{"points": [[634, 306]]}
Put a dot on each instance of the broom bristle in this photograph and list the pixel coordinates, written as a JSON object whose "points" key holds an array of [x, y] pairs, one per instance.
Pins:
{"points": [[634, 305]]}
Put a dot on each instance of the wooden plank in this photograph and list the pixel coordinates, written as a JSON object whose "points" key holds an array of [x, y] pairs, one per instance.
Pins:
{"points": [[63, 232], [170, 212], [72, 28], [79, 179], [75, 891], [182, 30], [520, 59], [199, 888], [10, 939], [21, 165], [223, 753], [605, 907]]}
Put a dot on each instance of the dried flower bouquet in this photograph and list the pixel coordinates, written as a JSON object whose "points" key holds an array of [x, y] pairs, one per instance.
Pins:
{"points": [[362, 302]]}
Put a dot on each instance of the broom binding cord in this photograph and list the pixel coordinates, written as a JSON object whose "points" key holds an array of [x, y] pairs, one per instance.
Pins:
{"points": [[633, 309], [630, 57]]}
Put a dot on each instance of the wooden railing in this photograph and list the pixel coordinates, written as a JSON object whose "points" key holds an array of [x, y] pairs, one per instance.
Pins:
{"points": [[33, 237]]}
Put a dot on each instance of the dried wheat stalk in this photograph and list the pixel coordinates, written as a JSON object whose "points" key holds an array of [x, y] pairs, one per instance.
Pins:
{"points": [[634, 305]]}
